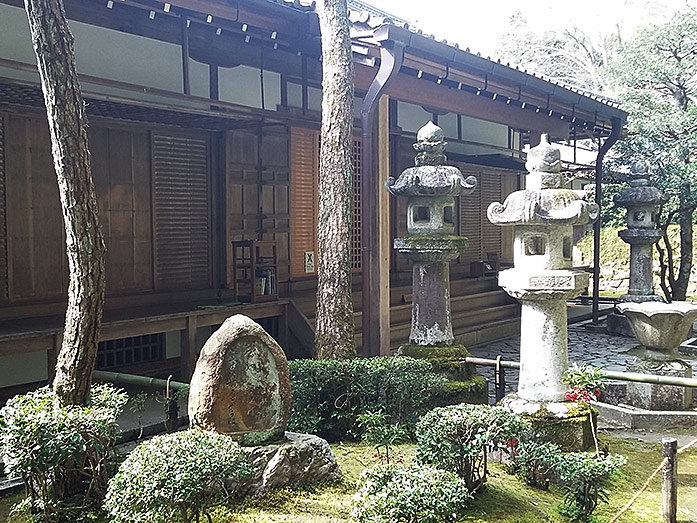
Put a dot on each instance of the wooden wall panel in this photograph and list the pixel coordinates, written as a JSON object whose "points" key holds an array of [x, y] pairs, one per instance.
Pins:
{"points": [[121, 173], [36, 248]]}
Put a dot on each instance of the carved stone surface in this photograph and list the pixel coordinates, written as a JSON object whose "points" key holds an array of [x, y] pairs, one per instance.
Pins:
{"points": [[659, 397], [660, 326], [431, 244], [642, 202], [241, 384], [544, 215], [297, 460]]}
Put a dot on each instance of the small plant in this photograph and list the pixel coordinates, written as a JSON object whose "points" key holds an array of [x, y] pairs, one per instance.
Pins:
{"points": [[378, 431], [60, 453], [176, 475], [535, 462], [586, 383], [582, 475], [457, 438], [137, 406], [389, 493]]}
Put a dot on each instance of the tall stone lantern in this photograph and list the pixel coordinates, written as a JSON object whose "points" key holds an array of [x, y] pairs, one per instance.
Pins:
{"points": [[543, 279], [431, 188], [642, 202]]}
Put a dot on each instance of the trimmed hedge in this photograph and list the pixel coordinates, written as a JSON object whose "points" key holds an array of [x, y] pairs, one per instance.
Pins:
{"points": [[329, 395]]}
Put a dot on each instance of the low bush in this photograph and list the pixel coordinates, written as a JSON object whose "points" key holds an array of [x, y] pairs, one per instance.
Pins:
{"points": [[456, 438], [175, 477], [535, 463], [389, 493], [582, 475], [60, 453], [329, 395]]}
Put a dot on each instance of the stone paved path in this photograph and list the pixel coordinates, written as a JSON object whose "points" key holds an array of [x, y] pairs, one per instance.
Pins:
{"points": [[596, 349]]}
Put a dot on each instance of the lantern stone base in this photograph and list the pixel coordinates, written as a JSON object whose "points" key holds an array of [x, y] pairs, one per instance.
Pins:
{"points": [[463, 386], [650, 396], [565, 423]]}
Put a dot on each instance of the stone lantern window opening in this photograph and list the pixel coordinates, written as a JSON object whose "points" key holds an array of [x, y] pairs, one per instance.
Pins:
{"points": [[422, 214], [567, 248], [448, 215], [535, 245]]}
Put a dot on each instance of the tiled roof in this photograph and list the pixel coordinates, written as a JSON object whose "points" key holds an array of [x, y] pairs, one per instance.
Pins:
{"points": [[365, 17]]}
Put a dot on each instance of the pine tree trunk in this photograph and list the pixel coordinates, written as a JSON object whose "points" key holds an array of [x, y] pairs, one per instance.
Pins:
{"points": [[685, 217], [334, 324], [65, 108]]}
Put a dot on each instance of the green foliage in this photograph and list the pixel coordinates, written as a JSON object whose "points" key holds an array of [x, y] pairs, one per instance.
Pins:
{"points": [[378, 431], [60, 452], [175, 477], [392, 493], [582, 474], [586, 382], [329, 395], [456, 438], [535, 462]]}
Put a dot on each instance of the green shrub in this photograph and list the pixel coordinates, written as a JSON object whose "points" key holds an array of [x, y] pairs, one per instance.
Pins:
{"points": [[582, 475], [389, 493], [456, 438], [60, 453], [178, 475], [535, 463], [329, 395]]}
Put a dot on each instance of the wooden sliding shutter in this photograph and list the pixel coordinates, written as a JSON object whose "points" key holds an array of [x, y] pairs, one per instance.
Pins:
{"points": [[304, 200], [182, 212], [484, 237], [304, 169]]}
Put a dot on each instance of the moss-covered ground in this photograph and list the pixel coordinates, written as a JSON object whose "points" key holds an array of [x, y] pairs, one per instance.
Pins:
{"points": [[505, 498]]}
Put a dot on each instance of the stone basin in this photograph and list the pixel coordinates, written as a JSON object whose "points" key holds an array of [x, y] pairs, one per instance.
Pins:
{"points": [[660, 326]]}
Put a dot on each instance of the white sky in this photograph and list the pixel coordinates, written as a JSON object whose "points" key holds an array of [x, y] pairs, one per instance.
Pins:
{"points": [[478, 25]]}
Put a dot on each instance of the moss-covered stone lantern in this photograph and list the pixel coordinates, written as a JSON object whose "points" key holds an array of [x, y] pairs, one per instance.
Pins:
{"points": [[431, 188], [544, 215]]}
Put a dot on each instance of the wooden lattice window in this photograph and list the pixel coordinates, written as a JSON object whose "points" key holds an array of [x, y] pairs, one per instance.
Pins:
{"points": [[130, 351], [356, 231], [304, 197]]}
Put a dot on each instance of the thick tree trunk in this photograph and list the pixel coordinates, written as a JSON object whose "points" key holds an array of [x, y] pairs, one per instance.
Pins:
{"points": [[334, 325], [685, 218], [53, 44]]}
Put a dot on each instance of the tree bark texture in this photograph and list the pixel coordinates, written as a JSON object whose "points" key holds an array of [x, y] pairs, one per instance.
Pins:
{"points": [[334, 325], [685, 217], [67, 121]]}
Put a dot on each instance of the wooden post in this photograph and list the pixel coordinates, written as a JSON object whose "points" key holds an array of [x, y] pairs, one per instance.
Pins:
{"points": [[669, 490], [189, 354]]}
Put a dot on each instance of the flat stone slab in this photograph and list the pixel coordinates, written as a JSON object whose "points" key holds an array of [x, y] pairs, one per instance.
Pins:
{"points": [[297, 460], [635, 418]]}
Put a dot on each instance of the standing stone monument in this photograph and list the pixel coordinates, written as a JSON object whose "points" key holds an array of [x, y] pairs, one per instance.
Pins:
{"points": [[431, 187], [544, 215], [642, 202], [241, 387]]}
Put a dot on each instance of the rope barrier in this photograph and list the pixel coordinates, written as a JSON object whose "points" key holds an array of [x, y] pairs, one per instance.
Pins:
{"points": [[648, 482]]}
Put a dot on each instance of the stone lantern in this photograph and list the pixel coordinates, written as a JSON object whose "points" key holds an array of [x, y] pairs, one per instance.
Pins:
{"points": [[544, 215], [431, 244], [642, 202]]}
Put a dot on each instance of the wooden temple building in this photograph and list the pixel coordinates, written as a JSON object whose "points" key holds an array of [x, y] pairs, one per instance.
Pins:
{"points": [[204, 134]]}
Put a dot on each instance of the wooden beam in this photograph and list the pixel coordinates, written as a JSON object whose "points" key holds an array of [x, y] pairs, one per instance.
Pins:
{"points": [[414, 90], [383, 172]]}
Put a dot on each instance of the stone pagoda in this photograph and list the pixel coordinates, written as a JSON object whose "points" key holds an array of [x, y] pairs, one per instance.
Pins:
{"points": [[642, 202], [544, 215], [431, 188]]}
